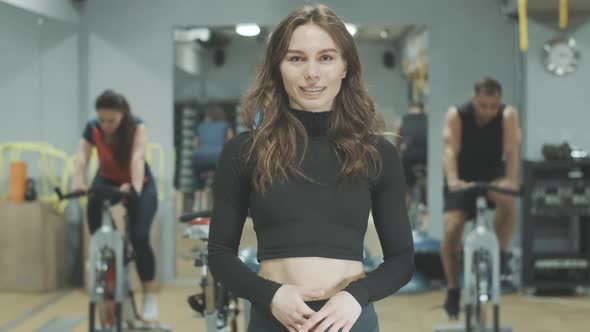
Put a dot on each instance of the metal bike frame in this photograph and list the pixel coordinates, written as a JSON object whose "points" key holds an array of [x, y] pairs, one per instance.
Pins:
{"points": [[482, 241], [208, 285], [108, 241], [417, 209], [211, 290], [106, 237]]}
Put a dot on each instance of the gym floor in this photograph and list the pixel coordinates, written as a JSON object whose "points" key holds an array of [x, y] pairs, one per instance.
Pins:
{"points": [[65, 311]]}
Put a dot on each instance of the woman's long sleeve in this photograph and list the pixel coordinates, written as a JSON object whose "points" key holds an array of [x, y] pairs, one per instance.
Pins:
{"points": [[394, 231], [231, 190]]}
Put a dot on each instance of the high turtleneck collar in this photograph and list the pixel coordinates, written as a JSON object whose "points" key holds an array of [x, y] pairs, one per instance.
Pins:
{"points": [[316, 123]]}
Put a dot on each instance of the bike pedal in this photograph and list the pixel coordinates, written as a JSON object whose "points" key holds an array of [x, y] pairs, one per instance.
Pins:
{"points": [[197, 303]]}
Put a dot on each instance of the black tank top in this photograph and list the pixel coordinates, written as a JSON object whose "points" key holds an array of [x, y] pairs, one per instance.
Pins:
{"points": [[480, 157], [414, 133]]}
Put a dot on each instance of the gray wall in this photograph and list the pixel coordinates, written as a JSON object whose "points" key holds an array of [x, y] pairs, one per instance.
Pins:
{"points": [[62, 10], [130, 49], [39, 81], [387, 86], [557, 107], [21, 73]]}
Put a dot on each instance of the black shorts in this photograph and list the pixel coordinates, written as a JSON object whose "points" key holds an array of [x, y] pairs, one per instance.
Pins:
{"points": [[464, 201], [409, 164]]}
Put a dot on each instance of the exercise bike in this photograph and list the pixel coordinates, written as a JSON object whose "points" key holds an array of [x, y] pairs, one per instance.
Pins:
{"points": [[481, 269], [417, 209], [426, 248], [216, 303], [205, 200], [110, 297]]}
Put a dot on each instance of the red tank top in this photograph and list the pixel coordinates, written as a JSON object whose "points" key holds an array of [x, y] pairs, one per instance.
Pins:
{"points": [[108, 166]]}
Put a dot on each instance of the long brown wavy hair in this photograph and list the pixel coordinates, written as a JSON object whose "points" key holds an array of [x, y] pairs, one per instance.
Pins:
{"points": [[274, 142], [124, 135]]}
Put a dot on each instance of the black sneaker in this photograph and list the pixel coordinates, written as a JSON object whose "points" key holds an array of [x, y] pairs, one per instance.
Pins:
{"points": [[505, 257], [197, 303], [452, 303]]}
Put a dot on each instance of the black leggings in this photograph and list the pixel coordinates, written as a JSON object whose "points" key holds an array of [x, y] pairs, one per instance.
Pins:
{"points": [[261, 321], [203, 163], [141, 211]]}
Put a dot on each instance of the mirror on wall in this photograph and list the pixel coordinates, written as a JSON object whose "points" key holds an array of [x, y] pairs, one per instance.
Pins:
{"points": [[214, 65]]}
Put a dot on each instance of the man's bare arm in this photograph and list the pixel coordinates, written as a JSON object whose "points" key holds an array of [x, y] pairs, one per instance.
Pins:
{"points": [[511, 145], [451, 143]]}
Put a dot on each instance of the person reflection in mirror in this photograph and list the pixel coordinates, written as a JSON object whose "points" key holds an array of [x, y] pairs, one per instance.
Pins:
{"points": [[210, 136]]}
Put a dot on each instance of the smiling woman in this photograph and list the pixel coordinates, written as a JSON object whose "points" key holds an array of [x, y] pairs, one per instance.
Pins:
{"points": [[306, 131], [309, 175]]}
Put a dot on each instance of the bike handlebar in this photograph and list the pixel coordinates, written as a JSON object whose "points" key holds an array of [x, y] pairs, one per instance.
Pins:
{"points": [[483, 187], [103, 190], [194, 215]]}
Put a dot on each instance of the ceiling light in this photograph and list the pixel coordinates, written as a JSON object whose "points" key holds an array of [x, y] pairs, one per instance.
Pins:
{"points": [[248, 30], [351, 28]]}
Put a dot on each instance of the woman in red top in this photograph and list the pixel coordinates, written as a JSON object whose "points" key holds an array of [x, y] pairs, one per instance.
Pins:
{"points": [[120, 140]]}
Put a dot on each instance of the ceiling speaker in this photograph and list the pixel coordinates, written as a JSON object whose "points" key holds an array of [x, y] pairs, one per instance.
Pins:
{"points": [[388, 59]]}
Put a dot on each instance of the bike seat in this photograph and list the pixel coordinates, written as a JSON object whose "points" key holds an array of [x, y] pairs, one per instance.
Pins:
{"points": [[199, 222], [189, 217], [197, 228]]}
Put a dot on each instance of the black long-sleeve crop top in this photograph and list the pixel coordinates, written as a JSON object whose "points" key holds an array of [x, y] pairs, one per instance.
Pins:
{"points": [[298, 218]]}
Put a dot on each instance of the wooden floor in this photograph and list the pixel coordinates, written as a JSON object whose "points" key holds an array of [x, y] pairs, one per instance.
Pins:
{"points": [[403, 313], [418, 313]]}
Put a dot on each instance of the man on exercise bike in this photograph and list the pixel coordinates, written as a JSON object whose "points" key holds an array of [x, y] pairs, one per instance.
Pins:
{"points": [[481, 143]]}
